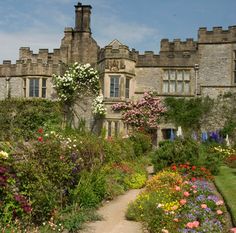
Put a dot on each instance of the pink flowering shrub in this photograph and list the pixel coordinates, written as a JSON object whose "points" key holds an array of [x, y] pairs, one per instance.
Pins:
{"points": [[142, 114]]}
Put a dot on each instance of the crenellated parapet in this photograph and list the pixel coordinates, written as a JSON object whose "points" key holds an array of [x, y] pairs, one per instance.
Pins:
{"points": [[217, 35], [148, 59], [178, 46], [44, 55], [29, 67]]}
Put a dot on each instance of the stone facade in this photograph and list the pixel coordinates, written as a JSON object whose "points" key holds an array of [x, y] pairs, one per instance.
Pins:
{"points": [[182, 68]]}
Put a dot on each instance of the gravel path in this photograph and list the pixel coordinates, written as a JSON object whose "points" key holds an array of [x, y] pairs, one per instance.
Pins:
{"points": [[113, 213]]}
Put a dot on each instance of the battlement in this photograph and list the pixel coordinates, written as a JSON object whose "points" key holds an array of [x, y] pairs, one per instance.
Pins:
{"points": [[149, 58], [29, 67], [26, 54], [178, 45], [217, 35]]}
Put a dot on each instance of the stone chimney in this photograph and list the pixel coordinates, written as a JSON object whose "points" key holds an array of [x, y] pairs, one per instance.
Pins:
{"points": [[82, 18]]}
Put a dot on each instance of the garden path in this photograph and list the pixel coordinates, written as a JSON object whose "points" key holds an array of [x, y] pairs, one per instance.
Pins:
{"points": [[113, 214]]}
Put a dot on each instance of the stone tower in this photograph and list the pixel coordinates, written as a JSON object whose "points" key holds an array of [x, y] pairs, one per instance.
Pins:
{"points": [[78, 44]]}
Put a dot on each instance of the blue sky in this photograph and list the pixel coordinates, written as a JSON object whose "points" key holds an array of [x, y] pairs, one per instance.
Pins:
{"points": [[137, 23]]}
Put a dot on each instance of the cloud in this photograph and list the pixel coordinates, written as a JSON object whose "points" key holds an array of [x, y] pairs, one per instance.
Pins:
{"points": [[129, 33], [43, 27], [11, 42]]}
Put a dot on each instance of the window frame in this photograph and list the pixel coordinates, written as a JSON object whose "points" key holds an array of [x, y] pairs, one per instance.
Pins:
{"points": [[114, 86], [171, 81], [34, 87]]}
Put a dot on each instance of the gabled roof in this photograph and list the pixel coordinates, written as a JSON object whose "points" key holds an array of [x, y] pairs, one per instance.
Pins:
{"points": [[115, 44]]}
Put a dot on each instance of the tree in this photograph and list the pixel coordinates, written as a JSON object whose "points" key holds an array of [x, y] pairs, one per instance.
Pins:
{"points": [[142, 114]]}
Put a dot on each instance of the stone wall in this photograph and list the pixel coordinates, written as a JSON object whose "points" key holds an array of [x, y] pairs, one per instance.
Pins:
{"points": [[224, 108], [215, 64]]}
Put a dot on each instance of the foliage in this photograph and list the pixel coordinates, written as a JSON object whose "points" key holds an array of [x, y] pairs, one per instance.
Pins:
{"points": [[144, 114], [176, 152], [53, 171], [77, 81], [181, 206], [21, 118], [141, 143], [187, 112], [13, 203], [136, 180], [90, 190]]}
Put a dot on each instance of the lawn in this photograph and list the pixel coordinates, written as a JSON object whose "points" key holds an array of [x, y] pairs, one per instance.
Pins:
{"points": [[226, 183]]}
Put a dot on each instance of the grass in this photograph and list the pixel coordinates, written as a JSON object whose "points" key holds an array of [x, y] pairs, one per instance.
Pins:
{"points": [[226, 183]]}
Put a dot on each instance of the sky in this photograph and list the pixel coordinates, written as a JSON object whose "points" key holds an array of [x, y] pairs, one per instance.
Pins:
{"points": [[138, 24]]}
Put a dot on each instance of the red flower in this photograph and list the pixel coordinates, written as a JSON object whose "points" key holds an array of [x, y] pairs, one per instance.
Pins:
{"points": [[193, 179], [40, 130], [173, 167], [193, 167], [40, 139]]}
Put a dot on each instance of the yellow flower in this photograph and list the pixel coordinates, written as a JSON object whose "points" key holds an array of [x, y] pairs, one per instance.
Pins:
{"points": [[3, 154]]}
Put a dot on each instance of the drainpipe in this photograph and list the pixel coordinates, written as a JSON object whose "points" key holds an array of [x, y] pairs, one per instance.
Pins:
{"points": [[8, 87], [196, 68]]}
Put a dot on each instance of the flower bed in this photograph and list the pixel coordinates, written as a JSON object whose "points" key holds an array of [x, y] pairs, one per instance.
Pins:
{"points": [[177, 201]]}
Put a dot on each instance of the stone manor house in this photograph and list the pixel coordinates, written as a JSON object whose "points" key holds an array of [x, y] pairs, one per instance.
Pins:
{"points": [[182, 68]]}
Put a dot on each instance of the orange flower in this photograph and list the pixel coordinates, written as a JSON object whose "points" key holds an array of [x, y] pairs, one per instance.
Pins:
{"points": [[204, 206]]}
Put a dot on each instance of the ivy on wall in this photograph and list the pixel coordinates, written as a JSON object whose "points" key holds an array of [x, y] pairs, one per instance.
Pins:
{"points": [[186, 112]]}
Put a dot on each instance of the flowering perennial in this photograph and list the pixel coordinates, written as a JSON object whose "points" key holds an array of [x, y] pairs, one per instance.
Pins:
{"points": [[180, 206]]}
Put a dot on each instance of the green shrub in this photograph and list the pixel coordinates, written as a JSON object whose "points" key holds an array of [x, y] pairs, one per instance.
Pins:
{"points": [[141, 142], [21, 118], [135, 181], [90, 190], [176, 152], [45, 171]]}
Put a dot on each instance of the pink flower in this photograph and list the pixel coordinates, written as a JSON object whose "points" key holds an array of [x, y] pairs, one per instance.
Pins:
{"points": [[175, 207], [204, 206], [219, 212], [220, 202], [195, 224], [233, 230], [182, 201], [194, 186], [177, 188], [194, 191], [186, 194], [190, 225]]}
